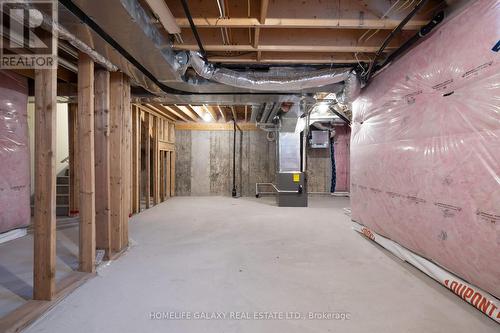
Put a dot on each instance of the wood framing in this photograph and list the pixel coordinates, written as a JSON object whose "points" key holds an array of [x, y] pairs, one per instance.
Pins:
{"points": [[214, 126], [147, 158], [116, 173], [44, 228], [136, 159], [126, 157], [87, 231], [74, 187], [156, 162], [102, 167]]}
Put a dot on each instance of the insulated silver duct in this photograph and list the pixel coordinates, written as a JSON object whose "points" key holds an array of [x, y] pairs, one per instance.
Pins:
{"points": [[352, 88], [285, 81], [58, 30]]}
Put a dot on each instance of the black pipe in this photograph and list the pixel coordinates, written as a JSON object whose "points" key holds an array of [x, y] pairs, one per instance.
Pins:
{"points": [[193, 28], [84, 18], [391, 36], [235, 126], [437, 19]]}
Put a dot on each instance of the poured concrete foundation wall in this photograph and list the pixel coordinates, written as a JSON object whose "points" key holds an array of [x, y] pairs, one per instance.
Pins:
{"points": [[319, 165], [204, 163]]}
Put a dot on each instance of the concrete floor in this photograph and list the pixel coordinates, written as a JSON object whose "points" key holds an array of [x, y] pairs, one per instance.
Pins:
{"points": [[214, 254]]}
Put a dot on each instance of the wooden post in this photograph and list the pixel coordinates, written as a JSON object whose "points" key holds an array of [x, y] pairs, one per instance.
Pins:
{"points": [[115, 137], [172, 173], [120, 159], [86, 162], [147, 148], [169, 178], [126, 158], [102, 167], [74, 186], [156, 164], [44, 230], [136, 159]]}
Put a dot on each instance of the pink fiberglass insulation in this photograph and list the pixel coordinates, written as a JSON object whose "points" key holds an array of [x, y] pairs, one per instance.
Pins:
{"points": [[425, 148], [14, 152], [342, 142]]}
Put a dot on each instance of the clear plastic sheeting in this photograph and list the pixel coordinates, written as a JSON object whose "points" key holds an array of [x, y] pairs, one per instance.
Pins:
{"points": [[476, 297], [14, 152], [286, 80], [425, 148]]}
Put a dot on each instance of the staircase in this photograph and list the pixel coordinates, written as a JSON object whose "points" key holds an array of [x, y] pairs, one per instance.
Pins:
{"points": [[62, 195]]}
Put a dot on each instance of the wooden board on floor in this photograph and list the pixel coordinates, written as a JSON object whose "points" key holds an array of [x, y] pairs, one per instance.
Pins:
{"points": [[30, 311]]}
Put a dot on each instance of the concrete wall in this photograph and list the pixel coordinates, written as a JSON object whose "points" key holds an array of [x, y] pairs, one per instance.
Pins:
{"points": [[319, 165], [204, 162]]}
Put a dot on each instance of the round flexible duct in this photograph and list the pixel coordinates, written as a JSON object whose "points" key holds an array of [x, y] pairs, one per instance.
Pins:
{"points": [[285, 81]]}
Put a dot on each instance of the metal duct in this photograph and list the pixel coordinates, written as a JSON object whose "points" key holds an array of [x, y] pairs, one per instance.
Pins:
{"points": [[49, 25], [285, 81], [352, 88]]}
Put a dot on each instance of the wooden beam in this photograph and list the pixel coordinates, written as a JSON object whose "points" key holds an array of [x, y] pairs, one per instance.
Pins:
{"points": [[271, 22], [87, 243], [235, 117], [74, 187], [246, 113], [264, 4], [44, 231], [116, 172], [156, 162], [256, 37], [223, 116], [178, 114], [153, 112], [186, 111], [284, 48], [136, 159], [214, 126], [211, 112], [147, 148], [102, 167], [160, 111], [167, 20]]}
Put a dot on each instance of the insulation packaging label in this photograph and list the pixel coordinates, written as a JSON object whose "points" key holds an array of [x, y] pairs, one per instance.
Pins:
{"points": [[473, 295], [296, 177]]}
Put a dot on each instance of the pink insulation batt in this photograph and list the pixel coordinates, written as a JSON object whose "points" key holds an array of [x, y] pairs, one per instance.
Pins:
{"points": [[342, 142], [14, 152], [425, 148]]}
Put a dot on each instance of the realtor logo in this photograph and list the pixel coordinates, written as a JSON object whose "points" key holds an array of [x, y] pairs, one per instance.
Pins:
{"points": [[28, 40]]}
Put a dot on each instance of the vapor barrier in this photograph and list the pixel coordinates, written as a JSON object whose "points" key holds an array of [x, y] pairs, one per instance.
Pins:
{"points": [[425, 148], [14, 152]]}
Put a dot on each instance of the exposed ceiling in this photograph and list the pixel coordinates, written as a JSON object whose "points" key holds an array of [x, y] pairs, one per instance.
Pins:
{"points": [[296, 31]]}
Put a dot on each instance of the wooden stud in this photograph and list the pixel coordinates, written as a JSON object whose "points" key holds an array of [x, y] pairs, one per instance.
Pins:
{"points": [[87, 243], [126, 158], [172, 173], [44, 230], [116, 173], [74, 187], [156, 163], [136, 160], [102, 167], [168, 175], [147, 158]]}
